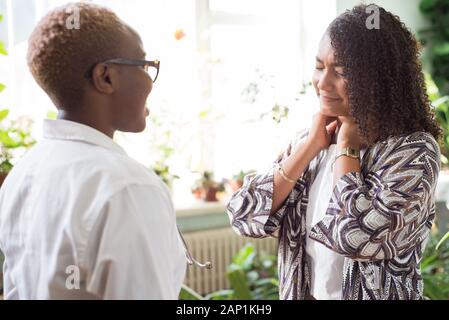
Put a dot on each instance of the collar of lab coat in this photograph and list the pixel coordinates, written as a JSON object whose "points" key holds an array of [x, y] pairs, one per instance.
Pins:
{"points": [[74, 131]]}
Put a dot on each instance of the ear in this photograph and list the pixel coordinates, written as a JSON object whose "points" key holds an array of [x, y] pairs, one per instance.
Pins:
{"points": [[104, 78]]}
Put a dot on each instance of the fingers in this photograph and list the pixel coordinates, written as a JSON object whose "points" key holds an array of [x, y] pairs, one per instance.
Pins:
{"points": [[332, 127], [346, 119], [330, 120]]}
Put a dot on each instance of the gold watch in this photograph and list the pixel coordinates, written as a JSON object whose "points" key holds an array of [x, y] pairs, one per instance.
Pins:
{"points": [[348, 152]]}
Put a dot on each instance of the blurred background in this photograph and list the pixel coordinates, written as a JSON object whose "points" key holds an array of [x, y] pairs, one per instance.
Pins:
{"points": [[233, 89]]}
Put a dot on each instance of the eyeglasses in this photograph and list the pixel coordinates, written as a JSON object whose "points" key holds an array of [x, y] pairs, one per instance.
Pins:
{"points": [[152, 67]]}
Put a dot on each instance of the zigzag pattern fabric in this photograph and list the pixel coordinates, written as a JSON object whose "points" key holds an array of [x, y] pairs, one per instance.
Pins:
{"points": [[379, 219]]}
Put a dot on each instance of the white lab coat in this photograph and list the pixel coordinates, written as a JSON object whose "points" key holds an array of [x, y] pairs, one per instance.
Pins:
{"points": [[79, 219]]}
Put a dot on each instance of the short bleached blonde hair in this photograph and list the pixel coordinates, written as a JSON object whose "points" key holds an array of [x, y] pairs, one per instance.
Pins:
{"points": [[59, 56]]}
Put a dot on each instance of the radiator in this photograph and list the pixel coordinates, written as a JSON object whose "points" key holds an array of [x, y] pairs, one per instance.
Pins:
{"points": [[218, 246]]}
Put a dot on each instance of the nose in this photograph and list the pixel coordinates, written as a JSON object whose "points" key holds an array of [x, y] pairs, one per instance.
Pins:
{"points": [[325, 82]]}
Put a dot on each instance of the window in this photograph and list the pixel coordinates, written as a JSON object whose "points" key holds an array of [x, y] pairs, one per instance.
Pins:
{"points": [[224, 66]]}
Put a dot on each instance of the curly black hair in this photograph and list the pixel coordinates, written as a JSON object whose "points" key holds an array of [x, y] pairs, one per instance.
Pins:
{"points": [[385, 83]]}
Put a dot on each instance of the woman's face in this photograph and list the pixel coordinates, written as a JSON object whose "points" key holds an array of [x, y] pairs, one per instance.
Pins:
{"points": [[329, 83]]}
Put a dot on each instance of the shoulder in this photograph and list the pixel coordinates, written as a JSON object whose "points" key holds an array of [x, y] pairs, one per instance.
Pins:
{"points": [[103, 175], [417, 142], [416, 154]]}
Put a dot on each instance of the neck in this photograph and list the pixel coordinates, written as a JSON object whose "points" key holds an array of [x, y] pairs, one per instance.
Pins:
{"points": [[89, 119]]}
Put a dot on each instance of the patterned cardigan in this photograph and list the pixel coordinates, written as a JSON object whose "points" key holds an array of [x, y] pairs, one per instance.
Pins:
{"points": [[379, 219]]}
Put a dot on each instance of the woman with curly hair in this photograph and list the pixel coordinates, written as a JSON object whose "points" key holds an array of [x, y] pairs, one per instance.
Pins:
{"points": [[352, 198]]}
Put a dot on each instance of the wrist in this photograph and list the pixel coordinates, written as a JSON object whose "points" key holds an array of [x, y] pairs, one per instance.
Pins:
{"points": [[310, 149], [345, 143]]}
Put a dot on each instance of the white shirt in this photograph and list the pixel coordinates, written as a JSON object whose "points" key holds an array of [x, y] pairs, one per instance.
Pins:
{"points": [[326, 265], [77, 202]]}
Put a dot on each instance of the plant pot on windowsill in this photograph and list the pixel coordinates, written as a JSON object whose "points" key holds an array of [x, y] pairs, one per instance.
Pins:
{"points": [[2, 177], [206, 188], [210, 194], [235, 184], [237, 180]]}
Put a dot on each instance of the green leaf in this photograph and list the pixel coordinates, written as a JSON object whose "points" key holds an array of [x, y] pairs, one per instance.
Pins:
{"points": [[433, 290], [3, 114], [441, 49], [226, 294], [428, 263], [238, 281], [445, 237], [5, 166], [52, 115], [203, 114], [188, 293], [427, 6], [3, 51], [2, 87], [245, 256]]}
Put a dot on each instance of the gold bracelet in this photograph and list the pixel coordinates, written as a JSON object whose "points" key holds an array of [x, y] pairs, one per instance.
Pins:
{"points": [[283, 175]]}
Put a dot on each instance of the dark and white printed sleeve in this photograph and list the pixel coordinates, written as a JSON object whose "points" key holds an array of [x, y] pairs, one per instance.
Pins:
{"points": [[249, 208], [381, 214]]}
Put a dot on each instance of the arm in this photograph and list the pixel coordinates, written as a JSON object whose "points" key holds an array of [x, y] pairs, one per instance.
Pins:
{"points": [[133, 249], [347, 137], [256, 209], [378, 218], [250, 208], [294, 165]]}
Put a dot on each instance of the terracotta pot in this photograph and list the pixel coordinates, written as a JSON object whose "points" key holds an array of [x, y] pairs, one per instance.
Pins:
{"points": [[211, 194], [198, 193], [235, 184], [2, 178]]}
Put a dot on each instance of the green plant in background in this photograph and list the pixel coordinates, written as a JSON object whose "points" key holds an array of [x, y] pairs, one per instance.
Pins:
{"points": [[262, 91], [164, 149], [207, 181], [435, 267], [441, 105], [163, 171], [188, 293], [436, 38], [13, 135], [2, 45], [252, 275]]}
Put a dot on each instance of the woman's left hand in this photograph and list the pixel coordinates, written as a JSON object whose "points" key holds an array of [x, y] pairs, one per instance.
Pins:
{"points": [[348, 135]]}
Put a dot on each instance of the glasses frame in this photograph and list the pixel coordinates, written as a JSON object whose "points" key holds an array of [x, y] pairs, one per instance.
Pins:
{"points": [[129, 62]]}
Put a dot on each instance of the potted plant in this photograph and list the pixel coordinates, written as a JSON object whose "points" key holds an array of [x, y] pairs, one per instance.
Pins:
{"points": [[236, 182], [252, 276], [14, 136], [163, 171], [206, 187]]}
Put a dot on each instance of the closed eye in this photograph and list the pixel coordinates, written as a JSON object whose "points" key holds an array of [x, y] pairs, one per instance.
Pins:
{"points": [[340, 73]]}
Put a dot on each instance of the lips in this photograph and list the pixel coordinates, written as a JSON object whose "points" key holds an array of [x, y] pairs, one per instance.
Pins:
{"points": [[329, 98]]}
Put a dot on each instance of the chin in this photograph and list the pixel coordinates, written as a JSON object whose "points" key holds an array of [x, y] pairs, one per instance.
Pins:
{"points": [[328, 111], [332, 111], [141, 127], [136, 127]]}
